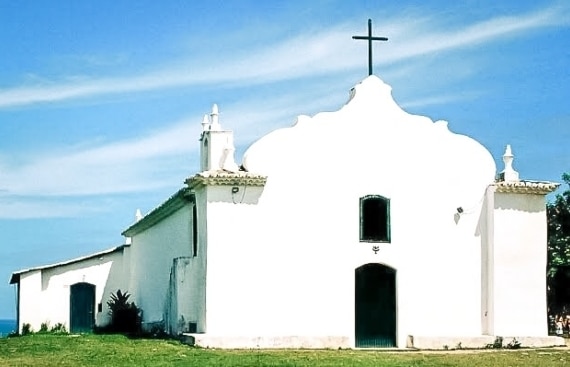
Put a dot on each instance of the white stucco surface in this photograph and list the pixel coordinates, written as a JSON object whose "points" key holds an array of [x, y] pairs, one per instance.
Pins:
{"points": [[44, 295], [152, 252], [269, 260], [519, 302], [297, 249]]}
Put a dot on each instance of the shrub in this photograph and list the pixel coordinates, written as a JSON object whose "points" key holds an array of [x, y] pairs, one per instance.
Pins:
{"points": [[58, 328], [27, 329], [125, 315], [514, 344], [497, 344], [44, 327]]}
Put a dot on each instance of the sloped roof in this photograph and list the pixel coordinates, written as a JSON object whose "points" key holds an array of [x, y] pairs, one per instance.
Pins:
{"points": [[226, 178], [15, 278], [172, 204], [526, 187]]}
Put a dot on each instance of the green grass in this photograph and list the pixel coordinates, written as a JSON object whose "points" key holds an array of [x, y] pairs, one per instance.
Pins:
{"points": [[115, 350]]}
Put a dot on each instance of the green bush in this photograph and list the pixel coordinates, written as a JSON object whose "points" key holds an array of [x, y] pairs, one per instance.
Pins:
{"points": [[44, 328], [125, 315], [58, 328]]}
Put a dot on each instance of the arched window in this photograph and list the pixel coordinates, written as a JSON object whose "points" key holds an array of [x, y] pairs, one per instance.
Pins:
{"points": [[374, 219]]}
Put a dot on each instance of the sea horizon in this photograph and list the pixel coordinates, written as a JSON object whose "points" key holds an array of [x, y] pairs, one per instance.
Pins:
{"points": [[7, 326]]}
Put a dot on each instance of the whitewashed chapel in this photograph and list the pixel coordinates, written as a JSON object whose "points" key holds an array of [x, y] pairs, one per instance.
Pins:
{"points": [[363, 227]]}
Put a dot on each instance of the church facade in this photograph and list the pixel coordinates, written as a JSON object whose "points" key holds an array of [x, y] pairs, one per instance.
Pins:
{"points": [[363, 227]]}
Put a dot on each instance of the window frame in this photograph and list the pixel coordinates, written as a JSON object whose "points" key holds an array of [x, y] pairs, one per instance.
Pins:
{"points": [[363, 220]]}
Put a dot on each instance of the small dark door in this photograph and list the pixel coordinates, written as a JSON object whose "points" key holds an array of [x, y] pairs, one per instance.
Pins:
{"points": [[375, 306], [82, 308]]}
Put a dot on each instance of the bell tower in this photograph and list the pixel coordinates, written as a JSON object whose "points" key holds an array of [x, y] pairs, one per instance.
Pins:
{"points": [[217, 145]]}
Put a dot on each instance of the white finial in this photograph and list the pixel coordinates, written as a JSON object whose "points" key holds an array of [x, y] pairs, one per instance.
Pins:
{"points": [[205, 123], [138, 215], [509, 174], [215, 118]]}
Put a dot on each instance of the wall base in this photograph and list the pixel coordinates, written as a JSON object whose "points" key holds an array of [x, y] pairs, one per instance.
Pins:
{"points": [[478, 342], [344, 342], [274, 342]]}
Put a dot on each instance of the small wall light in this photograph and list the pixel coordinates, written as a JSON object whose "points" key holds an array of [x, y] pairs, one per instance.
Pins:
{"points": [[460, 210]]}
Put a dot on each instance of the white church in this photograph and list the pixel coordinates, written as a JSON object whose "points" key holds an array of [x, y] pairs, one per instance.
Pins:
{"points": [[363, 227]]}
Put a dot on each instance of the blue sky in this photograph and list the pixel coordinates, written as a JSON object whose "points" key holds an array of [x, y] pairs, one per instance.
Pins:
{"points": [[101, 101]]}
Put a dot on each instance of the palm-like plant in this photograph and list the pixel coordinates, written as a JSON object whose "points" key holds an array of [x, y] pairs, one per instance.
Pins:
{"points": [[125, 315]]}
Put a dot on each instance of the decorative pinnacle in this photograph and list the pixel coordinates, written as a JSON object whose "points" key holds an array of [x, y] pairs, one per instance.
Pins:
{"points": [[215, 118], [138, 215], [205, 123], [509, 174]]}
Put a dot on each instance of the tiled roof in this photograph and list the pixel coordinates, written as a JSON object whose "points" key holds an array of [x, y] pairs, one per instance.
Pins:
{"points": [[226, 179], [526, 187]]}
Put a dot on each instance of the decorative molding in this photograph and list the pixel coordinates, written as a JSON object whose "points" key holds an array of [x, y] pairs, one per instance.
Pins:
{"points": [[224, 178], [525, 187]]}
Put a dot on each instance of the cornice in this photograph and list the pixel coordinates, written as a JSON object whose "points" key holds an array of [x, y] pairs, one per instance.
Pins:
{"points": [[224, 178], [526, 187]]}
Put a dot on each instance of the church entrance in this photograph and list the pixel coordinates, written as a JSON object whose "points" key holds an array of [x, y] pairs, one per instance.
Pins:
{"points": [[82, 308], [375, 306]]}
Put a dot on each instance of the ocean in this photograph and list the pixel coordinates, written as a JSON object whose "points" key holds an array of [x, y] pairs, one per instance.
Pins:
{"points": [[6, 327]]}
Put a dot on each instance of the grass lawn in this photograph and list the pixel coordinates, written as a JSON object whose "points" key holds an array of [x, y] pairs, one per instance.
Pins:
{"points": [[115, 350]]}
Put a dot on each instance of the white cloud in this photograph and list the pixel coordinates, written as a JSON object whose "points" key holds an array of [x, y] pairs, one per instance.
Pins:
{"points": [[426, 36], [328, 51], [437, 100], [139, 164]]}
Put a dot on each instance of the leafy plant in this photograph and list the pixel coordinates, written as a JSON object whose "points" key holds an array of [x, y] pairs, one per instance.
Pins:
{"points": [[513, 344], [58, 328], [558, 213], [558, 266], [497, 344], [27, 329], [44, 327], [125, 315]]}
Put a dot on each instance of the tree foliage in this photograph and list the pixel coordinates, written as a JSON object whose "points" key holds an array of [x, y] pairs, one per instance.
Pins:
{"points": [[558, 214]]}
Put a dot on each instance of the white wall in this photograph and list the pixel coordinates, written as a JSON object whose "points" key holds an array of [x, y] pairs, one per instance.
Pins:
{"points": [[45, 296], [152, 254], [519, 263], [286, 265]]}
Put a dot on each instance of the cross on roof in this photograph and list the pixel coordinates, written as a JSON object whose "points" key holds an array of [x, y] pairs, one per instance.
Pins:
{"points": [[370, 39]]}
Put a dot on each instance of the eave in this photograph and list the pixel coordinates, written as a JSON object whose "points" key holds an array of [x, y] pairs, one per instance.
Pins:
{"points": [[164, 210], [224, 178], [15, 278], [526, 187]]}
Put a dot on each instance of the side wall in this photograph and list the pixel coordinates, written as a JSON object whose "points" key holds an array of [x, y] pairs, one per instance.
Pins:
{"points": [[44, 294], [519, 263], [152, 254]]}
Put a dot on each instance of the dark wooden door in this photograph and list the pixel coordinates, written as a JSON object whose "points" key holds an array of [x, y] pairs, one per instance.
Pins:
{"points": [[375, 306], [82, 308]]}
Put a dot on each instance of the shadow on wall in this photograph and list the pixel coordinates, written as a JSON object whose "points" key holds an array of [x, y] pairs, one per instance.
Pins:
{"points": [[520, 203]]}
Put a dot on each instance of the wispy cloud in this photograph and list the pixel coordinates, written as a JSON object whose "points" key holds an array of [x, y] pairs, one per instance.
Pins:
{"points": [[123, 166], [325, 52], [36, 184], [437, 100], [425, 36]]}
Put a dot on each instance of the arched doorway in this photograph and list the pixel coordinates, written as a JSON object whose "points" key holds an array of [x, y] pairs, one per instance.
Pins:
{"points": [[375, 306], [81, 308]]}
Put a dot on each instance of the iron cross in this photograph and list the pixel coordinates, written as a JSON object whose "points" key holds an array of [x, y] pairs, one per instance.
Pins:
{"points": [[370, 39]]}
